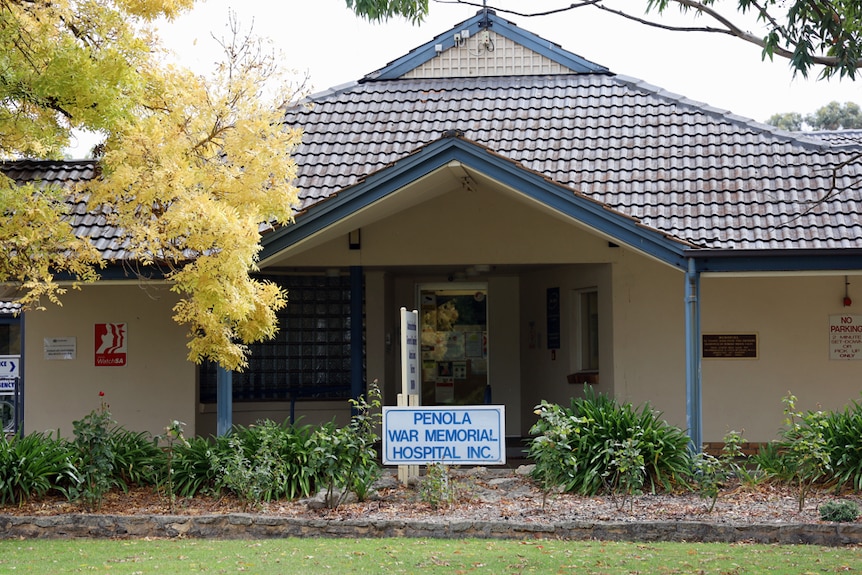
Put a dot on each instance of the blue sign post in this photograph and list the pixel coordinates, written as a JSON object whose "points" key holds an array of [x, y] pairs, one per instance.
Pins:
{"points": [[457, 435]]}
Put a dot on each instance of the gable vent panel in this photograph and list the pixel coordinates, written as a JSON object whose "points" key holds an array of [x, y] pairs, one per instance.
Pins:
{"points": [[499, 57]]}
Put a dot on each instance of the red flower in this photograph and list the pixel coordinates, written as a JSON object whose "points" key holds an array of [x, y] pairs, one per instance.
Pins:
{"points": [[101, 394]]}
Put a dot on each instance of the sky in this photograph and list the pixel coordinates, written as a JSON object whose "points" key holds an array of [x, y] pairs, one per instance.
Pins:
{"points": [[327, 41]]}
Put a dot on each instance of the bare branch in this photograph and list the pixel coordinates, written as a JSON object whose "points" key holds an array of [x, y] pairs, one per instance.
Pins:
{"points": [[727, 26]]}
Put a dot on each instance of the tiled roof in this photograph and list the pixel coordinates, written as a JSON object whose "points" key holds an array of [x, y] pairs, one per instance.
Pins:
{"points": [[68, 174], [695, 173], [838, 137], [7, 308]]}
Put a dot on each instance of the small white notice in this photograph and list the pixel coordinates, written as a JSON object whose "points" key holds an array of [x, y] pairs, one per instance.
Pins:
{"points": [[845, 337], [9, 366], [456, 435], [409, 352], [9, 372], [60, 347]]}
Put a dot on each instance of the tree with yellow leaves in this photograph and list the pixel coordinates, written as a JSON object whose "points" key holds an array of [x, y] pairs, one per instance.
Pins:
{"points": [[191, 167]]}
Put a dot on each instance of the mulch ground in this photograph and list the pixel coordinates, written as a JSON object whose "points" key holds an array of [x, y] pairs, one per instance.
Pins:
{"points": [[483, 494]]}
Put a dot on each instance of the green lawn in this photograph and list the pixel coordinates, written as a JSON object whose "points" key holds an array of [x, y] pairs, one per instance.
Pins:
{"points": [[425, 556]]}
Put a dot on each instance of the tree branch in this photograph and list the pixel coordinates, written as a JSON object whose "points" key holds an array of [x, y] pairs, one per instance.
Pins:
{"points": [[728, 27]]}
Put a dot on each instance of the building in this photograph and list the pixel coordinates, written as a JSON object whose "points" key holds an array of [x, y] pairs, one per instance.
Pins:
{"points": [[554, 224]]}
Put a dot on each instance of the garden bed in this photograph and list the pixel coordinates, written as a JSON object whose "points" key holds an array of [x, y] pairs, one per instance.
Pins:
{"points": [[486, 494]]}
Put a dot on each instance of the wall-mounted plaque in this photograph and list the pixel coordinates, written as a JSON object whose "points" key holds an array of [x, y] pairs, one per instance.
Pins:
{"points": [[729, 346]]}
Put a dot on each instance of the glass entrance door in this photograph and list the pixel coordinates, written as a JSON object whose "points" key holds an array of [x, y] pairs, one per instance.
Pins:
{"points": [[454, 325]]}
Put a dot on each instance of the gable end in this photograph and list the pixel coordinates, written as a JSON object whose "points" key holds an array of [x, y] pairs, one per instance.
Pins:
{"points": [[486, 45]]}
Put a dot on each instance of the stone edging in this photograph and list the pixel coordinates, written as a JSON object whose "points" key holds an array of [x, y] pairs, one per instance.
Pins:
{"points": [[252, 526]]}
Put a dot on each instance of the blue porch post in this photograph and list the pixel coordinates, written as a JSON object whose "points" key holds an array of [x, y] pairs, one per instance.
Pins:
{"points": [[357, 386], [19, 386], [692, 357], [224, 401]]}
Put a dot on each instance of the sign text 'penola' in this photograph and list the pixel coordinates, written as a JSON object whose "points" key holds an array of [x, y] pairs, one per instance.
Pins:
{"points": [[459, 435]]}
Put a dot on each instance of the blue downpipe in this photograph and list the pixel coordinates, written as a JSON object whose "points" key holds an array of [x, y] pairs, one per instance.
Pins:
{"points": [[693, 405], [224, 401]]}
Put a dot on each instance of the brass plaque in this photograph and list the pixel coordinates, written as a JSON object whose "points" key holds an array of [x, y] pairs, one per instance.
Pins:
{"points": [[729, 346]]}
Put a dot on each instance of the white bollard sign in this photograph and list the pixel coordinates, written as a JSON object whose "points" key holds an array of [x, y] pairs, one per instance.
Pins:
{"points": [[456, 435], [409, 352]]}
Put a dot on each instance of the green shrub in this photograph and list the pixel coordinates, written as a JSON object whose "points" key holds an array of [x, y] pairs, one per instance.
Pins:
{"points": [[172, 438], [33, 465], [590, 438], [804, 442], [94, 461], [438, 488], [263, 462], [345, 458], [816, 446], [628, 468], [194, 469], [841, 511], [773, 462], [554, 448], [711, 472], [138, 460], [842, 436], [249, 477], [282, 450]]}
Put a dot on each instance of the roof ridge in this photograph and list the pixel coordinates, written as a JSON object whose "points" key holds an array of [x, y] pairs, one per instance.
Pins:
{"points": [[332, 91], [22, 161]]}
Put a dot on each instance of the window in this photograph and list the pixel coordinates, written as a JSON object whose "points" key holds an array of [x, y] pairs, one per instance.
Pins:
{"points": [[309, 358], [10, 337], [587, 330]]}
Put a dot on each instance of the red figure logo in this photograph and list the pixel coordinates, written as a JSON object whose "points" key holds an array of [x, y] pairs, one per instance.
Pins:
{"points": [[110, 344]]}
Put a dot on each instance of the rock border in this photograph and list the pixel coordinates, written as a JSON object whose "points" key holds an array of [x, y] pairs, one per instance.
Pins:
{"points": [[252, 526]]}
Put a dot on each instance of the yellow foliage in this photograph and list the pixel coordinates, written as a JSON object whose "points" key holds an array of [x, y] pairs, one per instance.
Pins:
{"points": [[36, 244], [205, 163], [191, 167]]}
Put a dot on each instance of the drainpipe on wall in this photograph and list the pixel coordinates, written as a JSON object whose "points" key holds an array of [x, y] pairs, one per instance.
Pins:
{"points": [[224, 401], [692, 357], [357, 386]]}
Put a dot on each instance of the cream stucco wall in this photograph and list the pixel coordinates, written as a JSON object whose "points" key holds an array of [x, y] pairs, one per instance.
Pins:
{"points": [[156, 385], [790, 316], [649, 335]]}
